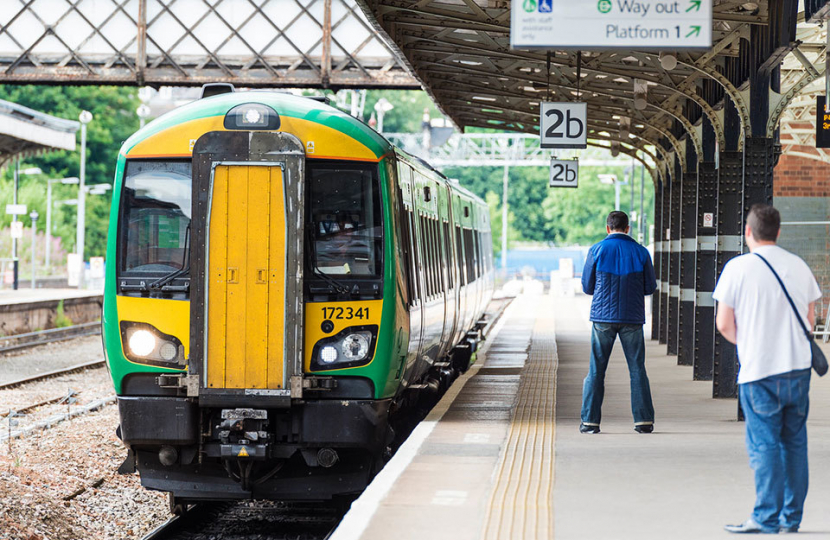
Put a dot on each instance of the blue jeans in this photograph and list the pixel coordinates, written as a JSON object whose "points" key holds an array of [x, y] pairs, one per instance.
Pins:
{"points": [[776, 439], [593, 389]]}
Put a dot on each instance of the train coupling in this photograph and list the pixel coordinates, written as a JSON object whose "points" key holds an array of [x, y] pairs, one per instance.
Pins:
{"points": [[243, 434]]}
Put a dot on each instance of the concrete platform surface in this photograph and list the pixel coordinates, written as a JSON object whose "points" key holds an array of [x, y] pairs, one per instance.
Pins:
{"points": [[484, 465], [29, 296]]}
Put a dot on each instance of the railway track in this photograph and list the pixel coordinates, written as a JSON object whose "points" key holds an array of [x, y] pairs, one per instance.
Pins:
{"points": [[245, 520], [51, 374], [42, 337]]}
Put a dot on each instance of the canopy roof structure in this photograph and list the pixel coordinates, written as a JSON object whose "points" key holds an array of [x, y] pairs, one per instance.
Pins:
{"points": [[460, 51], [25, 132]]}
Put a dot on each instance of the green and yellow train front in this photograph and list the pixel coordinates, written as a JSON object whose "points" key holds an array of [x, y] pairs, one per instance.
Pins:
{"points": [[253, 322]]}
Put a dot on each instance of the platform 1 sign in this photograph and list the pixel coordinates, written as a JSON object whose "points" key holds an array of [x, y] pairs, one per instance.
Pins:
{"points": [[563, 125], [611, 24], [564, 173]]}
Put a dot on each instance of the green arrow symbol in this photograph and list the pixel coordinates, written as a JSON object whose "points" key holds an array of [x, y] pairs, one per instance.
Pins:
{"points": [[695, 5], [695, 31]]}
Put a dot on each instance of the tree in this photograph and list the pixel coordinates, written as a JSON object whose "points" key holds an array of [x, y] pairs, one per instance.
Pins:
{"points": [[115, 119]]}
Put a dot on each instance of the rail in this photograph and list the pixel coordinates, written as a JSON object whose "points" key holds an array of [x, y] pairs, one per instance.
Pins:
{"points": [[42, 337]]}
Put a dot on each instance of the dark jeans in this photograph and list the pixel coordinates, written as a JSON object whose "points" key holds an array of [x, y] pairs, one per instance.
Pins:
{"points": [[593, 390], [776, 411]]}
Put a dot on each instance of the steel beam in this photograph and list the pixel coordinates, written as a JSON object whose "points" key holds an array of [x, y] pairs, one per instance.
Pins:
{"points": [[658, 258], [675, 220], [688, 247], [730, 242], [669, 185]]}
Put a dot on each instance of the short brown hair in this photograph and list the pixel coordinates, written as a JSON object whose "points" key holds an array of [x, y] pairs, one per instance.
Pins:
{"points": [[617, 221], [765, 222]]}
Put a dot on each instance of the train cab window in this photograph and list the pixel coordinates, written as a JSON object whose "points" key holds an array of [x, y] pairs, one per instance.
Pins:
{"points": [[154, 226], [344, 220]]}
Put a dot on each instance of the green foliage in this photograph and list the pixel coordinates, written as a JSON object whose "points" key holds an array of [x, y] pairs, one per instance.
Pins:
{"points": [[61, 319], [114, 119], [408, 113], [562, 217]]}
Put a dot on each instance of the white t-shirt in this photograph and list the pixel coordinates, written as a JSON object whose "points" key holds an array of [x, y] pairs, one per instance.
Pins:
{"points": [[770, 339]]}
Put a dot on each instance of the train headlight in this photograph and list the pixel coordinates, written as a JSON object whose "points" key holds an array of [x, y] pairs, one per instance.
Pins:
{"points": [[355, 347], [142, 343], [168, 351], [146, 344], [351, 347], [328, 354], [252, 116]]}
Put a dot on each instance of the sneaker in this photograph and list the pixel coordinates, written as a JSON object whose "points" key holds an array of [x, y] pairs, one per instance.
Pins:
{"points": [[644, 428], [790, 529], [584, 428], [749, 527]]}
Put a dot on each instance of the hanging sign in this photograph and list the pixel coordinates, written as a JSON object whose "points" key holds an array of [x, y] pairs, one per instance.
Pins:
{"points": [[16, 209], [611, 24], [17, 229], [564, 125], [822, 123], [564, 173]]}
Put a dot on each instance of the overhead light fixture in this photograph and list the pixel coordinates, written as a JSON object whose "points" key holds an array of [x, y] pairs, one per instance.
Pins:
{"points": [[668, 61], [640, 94]]}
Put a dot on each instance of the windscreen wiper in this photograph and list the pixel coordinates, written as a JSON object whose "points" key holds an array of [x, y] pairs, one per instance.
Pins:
{"points": [[312, 254], [164, 280]]}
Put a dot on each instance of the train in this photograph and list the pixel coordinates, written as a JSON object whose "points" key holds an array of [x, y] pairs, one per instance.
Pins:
{"points": [[284, 283]]}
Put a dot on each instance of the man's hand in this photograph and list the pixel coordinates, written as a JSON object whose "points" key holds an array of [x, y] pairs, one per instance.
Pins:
{"points": [[726, 323]]}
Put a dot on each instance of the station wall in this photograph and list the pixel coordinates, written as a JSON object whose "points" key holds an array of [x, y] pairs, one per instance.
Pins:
{"points": [[801, 189]]}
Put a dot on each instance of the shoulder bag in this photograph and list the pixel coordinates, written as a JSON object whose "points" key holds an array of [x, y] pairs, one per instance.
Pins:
{"points": [[819, 360]]}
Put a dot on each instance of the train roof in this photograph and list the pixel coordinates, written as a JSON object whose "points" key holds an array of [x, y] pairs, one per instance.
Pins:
{"points": [[207, 114]]}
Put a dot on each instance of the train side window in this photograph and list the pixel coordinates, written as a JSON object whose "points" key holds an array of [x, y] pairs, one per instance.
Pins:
{"points": [[440, 251], [409, 256], [447, 252], [459, 248]]}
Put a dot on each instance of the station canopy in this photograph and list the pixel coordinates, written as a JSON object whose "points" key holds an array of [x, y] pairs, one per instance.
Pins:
{"points": [[460, 51], [25, 132]]}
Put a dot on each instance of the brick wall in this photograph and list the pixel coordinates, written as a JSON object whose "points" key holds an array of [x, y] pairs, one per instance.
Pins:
{"points": [[801, 177], [801, 189]]}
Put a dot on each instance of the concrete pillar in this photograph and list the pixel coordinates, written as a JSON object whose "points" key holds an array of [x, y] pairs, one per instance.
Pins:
{"points": [[688, 248]]}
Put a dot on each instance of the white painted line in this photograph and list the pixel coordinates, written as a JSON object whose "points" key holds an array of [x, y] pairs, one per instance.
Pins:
{"points": [[477, 438], [447, 497], [356, 520]]}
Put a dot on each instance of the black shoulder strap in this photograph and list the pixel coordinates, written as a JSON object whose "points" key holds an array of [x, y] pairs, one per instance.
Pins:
{"points": [[787, 294]]}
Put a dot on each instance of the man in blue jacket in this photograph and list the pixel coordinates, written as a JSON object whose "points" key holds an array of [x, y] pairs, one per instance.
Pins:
{"points": [[619, 274]]}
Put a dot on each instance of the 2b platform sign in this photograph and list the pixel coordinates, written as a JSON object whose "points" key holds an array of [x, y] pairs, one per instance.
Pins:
{"points": [[564, 173], [564, 125]]}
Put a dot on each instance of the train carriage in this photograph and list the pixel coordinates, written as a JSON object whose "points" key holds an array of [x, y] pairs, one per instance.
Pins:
{"points": [[285, 284]]}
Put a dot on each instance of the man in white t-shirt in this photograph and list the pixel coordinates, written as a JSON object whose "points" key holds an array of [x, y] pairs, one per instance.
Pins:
{"points": [[775, 358]]}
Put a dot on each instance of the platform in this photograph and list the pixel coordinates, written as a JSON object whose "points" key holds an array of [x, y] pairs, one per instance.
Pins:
{"points": [[32, 296], [501, 456]]}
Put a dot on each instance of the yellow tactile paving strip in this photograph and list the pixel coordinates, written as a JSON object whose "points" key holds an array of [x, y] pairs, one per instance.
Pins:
{"points": [[521, 503]]}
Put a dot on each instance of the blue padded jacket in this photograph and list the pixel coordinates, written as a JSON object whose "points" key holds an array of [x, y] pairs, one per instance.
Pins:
{"points": [[619, 273]]}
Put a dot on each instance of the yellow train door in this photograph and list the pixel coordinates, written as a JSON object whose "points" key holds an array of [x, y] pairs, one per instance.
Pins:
{"points": [[246, 277]]}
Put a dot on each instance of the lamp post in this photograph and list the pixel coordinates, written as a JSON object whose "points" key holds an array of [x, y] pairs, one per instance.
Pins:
{"points": [[612, 179], [34, 215], [85, 117], [15, 260], [143, 112], [382, 107], [67, 181]]}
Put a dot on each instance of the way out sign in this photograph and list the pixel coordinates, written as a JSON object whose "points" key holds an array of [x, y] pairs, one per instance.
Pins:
{"points": [[564, 125], [564, 173], [611, 24]]}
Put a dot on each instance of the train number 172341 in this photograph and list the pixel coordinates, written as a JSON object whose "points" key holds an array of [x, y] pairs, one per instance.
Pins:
{"points": [[345, 313]]}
